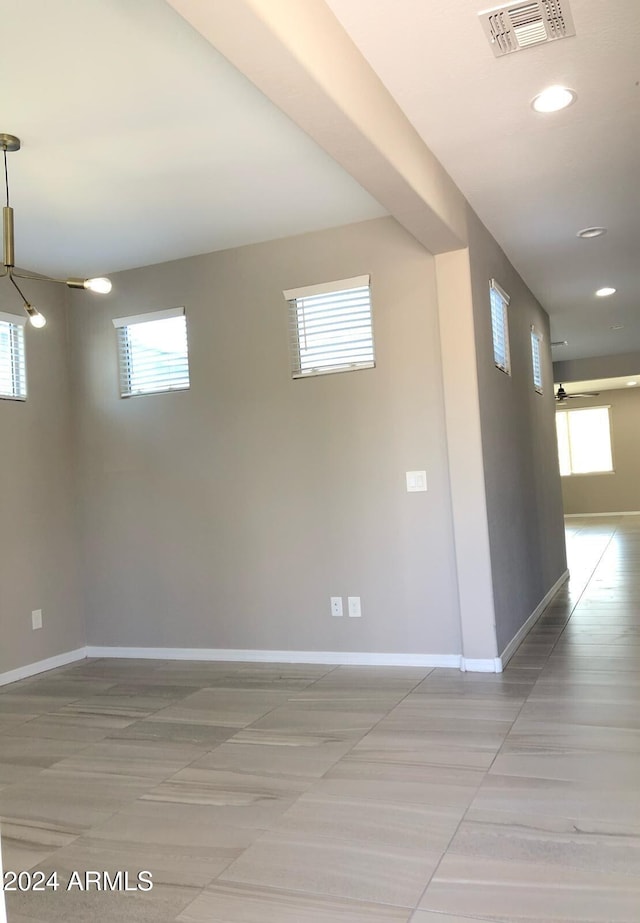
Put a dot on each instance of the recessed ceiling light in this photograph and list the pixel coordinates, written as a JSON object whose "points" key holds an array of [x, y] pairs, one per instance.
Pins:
{"points": [[617, 327], [631, 384], [588, 233], [553, 99], [605, 292]]}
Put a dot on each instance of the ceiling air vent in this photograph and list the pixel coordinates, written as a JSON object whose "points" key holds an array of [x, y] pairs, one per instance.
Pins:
{"points": [[521, 25]]}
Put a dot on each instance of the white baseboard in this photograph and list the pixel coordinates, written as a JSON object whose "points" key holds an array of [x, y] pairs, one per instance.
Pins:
{"points": [[340, 658], [474, 665], [41, 666], [521, 634], [591, 515]]}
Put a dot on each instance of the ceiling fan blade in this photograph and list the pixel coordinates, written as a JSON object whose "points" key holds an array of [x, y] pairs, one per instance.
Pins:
{"points": [[561, 394]]}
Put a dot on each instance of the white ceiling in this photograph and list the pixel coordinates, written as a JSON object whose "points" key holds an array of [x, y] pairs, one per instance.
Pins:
{"points": [[602, 384], [534, 180], [142, 144]]}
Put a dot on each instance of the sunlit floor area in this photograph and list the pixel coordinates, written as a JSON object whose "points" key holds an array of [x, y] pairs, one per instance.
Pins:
{"points": [[262, 793]]}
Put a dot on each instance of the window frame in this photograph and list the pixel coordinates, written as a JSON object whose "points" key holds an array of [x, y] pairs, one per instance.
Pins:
{"points": [[496, 291], [122, 325], [341, 287], [17, 373], [536, 359], [596, 473]]}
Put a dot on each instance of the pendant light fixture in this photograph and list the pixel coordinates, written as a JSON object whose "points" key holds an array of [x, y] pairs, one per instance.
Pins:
{"points": [[101, 286]]}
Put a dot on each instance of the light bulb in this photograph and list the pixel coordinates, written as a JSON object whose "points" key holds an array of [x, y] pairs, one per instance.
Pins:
{"points": [[100, 286], [36, 319], [588, 233], [553, 99], [605, 292]]}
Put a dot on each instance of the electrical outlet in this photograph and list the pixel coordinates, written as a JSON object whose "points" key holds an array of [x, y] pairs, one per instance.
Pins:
{"points": [[336, 605], [355, 612], [36, 619]]}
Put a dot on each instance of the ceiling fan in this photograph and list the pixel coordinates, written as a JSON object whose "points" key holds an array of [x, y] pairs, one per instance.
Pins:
{"points": [[562, 396]]}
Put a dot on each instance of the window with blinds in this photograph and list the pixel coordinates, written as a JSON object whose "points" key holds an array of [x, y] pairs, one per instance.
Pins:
{"points": [[153, 352], [330, 327], [13, 373], [584, 441], [536, 361], [500, 327]]}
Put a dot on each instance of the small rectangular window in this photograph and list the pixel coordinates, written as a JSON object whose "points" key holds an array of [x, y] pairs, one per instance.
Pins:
{"points": [[153, 352], [13, 374], [330, 327], [584, 440], [500, 327], [536, 361]]}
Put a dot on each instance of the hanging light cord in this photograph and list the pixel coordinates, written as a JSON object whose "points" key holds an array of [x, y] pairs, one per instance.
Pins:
{"points": [[15, 284], [6, 174]]}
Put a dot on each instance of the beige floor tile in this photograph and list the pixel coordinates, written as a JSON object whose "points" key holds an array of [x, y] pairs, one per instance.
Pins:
{"points": [[68, 726], [516, 892], [586, 712], [425, 916], [205, 735], [559, 798], [192, 837], [400, 680], [408, 826], [568, 841], [435, 748], [239, 798], [160, 905], [338, 723], [239, 903], [610, 770], [223, 707], [404, 783], [549, 736], [137, 759], [23, 704], [340, 868], [131, 705], [27, 843], [23, 757], [286, 757]]}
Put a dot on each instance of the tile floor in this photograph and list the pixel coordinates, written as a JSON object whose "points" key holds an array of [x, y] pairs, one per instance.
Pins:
{"points": [[262, 793]]}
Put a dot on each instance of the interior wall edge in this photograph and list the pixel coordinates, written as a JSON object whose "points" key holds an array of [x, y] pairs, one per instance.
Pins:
{"points": [[522, 633]]}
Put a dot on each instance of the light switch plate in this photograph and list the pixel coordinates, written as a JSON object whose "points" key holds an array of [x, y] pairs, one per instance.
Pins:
{"points": [[416, 481], [355, 612], [36, 619]]}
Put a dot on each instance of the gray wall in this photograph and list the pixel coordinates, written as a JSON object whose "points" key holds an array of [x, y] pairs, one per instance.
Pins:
{"points": [[38, 546], [524, 499], [596, 367], [620, 491], [226, 516]]}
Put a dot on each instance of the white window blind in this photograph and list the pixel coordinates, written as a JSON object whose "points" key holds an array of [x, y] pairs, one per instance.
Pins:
{"points": [[330, 327], [13, 373], [536, 361], [500, 327], [584, 440], [153, 352]]}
